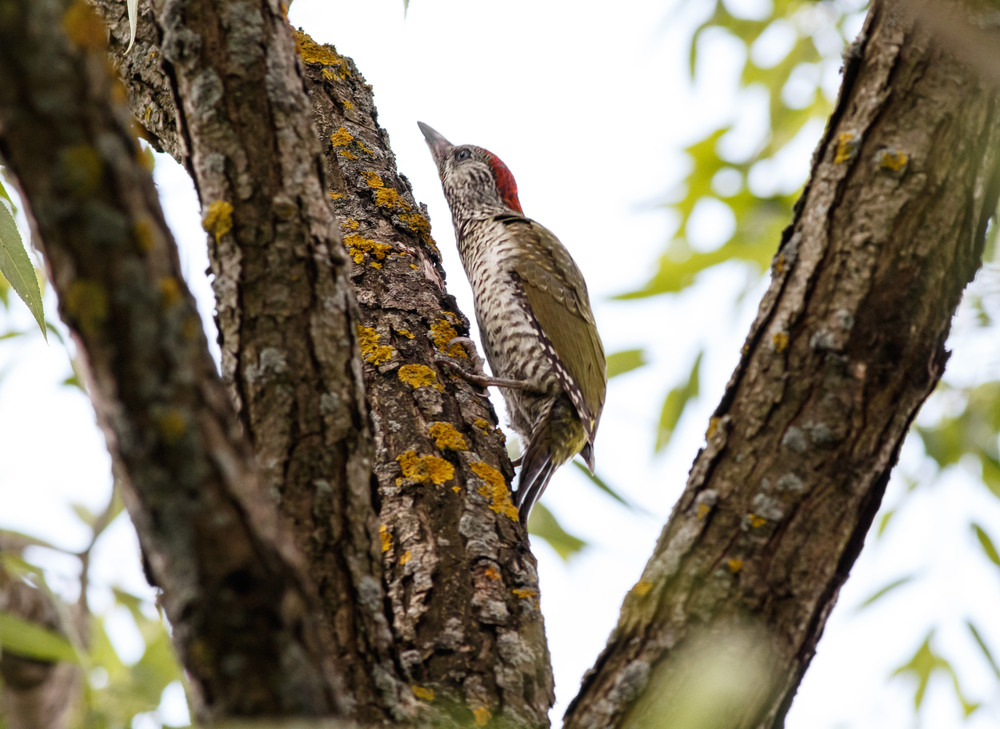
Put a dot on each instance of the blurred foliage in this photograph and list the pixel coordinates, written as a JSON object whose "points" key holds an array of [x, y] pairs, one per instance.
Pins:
{"points": [[673, 406], [543, 524], [925, 663], [114, 691]]}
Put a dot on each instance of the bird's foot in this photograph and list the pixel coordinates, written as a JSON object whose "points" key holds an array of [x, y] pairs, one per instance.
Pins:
{"points": [[477, 376], [483, 381]]}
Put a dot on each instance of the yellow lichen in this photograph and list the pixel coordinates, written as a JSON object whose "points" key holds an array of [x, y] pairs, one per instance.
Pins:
{"points": [[483, 425], [642, 588], [703, 510], [424, 694], [526, 594], [363, 148], [420, 225], [385, 536], [347, 104], [81, 169], [405, 333], [312, 52], [172, 425], [713, 427], [892, 160], [735, 565], [447, 438], [347, 154], [142, 231], [418, 375], [780, 341], [341, 137], [372, 178], [371, 350], [407, 556], [328, 74], [492, 572], [191, 327], [170, 291], [87, 303], [495, 489], [83, 27], [779, 263], [846, 148], [442, 332], [425, 469], [358, 247], [350, 224], [335, 195], [481, 715], [756, 521], [387, 197], [218, 219]]}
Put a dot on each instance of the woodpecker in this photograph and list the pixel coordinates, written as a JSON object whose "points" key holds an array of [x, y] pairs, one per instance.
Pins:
{"points": [[534, 315]]}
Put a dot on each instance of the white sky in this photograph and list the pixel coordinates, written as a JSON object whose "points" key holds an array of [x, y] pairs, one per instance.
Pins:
{"points": [[588, 104]]}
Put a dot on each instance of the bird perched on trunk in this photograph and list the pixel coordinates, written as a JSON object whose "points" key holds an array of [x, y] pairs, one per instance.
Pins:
{"points": [[533, 312]]}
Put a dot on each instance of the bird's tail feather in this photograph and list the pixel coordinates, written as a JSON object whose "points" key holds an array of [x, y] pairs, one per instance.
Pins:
{"points": [[536, 470], [588, 455]]}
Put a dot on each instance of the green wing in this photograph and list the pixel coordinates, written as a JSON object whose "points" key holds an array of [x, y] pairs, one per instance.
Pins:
{"points": [[557, 294]]}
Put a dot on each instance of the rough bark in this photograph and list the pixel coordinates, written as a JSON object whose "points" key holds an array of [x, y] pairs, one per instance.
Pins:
{"points": [[847, 344], [467, 635], [461, 582], [284, 309], [242, 614]]}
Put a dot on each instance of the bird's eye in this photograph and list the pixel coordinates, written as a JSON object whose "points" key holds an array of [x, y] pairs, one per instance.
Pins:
{"points": [[462, 154]]}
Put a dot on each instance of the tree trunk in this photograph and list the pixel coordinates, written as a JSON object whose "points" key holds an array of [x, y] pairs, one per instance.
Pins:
{"points": [[405, 590], [847, 344]]}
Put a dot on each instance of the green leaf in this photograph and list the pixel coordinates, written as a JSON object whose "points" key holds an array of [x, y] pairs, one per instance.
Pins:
{"points": [[16, 266], [13, 539], [543, 524], [84, 514], [884, 522], [886, 590], [31, 640], [674, 404], [6, 196], [621, 362], [16, 566], [991, 472], [603, 486], [987, 544], [983, 647], [922, 665]]}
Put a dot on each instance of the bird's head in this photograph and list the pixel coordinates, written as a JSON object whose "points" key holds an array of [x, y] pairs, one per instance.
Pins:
{"points": [[471, 176]]}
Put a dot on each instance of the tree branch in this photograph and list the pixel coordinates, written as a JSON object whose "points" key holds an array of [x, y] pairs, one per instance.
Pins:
{"points": [[461, 584], [232, 588], [847, 344]]}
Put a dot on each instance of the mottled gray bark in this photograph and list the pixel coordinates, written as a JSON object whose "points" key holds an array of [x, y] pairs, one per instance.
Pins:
{"points": [[243, 614], [467, 638], [847, 344]]}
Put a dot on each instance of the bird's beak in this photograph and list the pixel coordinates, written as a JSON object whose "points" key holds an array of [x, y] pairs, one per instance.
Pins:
{"points": [[438, 144]]}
